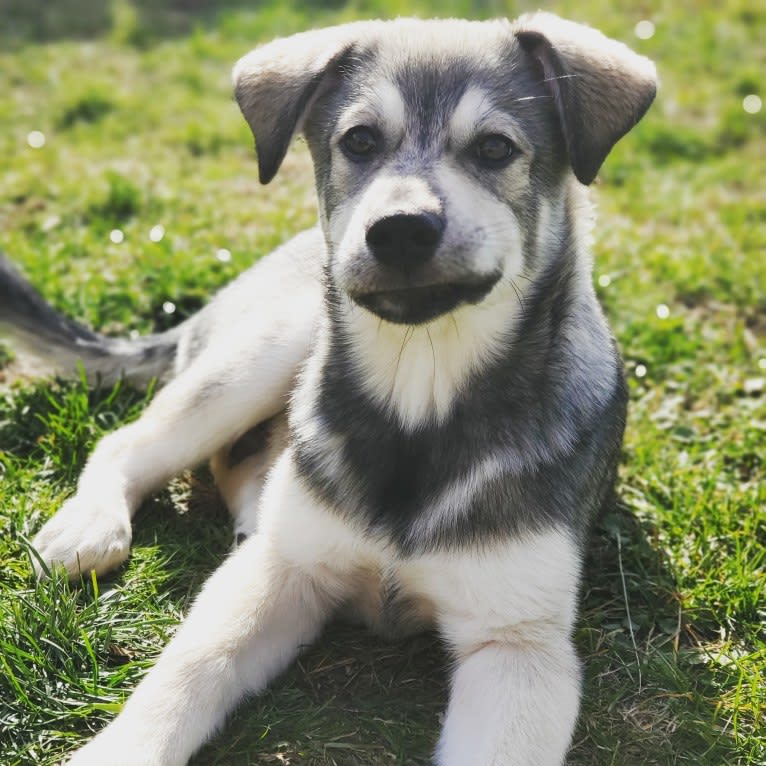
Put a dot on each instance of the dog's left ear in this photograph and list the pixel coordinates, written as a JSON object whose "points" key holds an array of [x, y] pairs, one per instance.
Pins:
{"points": [[600, 87], [276, 84]]}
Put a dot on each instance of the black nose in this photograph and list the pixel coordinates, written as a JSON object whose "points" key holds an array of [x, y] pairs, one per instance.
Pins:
{"points": [[403, 240]]}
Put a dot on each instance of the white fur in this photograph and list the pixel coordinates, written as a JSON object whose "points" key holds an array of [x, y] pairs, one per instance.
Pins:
{"points": [[390, 105], [512, 704], [482, 221], [247, 624], [473, 107], [235, 384], [517, 591], [418, 371], [508, 612]]}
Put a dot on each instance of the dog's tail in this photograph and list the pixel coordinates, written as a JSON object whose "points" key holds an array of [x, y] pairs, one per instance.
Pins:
{"points": [[64, 345]]}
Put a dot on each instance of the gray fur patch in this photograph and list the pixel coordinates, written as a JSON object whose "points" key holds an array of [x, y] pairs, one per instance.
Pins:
{"points": [[64, 344]]}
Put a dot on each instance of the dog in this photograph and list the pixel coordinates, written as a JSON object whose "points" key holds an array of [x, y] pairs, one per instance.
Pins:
{"points": [[456, 399]]}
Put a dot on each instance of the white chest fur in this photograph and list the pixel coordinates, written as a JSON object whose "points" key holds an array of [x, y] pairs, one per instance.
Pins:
{"points": [[416, 372]]}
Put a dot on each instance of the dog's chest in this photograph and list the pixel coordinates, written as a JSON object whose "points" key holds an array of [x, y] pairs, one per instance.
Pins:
{"points": [[521, 449], [399, 472], [387, 473], [366, 466], [493, 470]]}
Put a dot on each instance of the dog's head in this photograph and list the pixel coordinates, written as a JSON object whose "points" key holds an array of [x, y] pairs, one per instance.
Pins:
{"points": [[440, 146]]}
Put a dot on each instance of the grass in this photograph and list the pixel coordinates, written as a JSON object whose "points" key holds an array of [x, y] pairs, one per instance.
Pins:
{"points": [[133, 100]]}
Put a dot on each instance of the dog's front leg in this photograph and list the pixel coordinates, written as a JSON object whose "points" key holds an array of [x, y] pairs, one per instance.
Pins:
{"points": [[512, 704], [267, 600], [507, 611], [194, 415], [247, 624]]}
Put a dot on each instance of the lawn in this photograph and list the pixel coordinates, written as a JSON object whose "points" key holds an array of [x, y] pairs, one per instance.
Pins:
{"points": [[138, 131]]}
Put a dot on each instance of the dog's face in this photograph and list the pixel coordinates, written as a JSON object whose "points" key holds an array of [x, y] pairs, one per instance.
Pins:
{"points": [[440, 148], [430, 166]]}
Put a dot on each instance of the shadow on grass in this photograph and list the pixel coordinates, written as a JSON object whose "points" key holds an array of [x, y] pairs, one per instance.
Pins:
{"points": [[647, 697]]}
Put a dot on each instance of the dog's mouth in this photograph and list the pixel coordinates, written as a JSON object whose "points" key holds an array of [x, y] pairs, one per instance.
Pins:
{"points": [[416, 305]]}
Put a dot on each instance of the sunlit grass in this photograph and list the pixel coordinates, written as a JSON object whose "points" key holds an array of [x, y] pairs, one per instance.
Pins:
{"points": [[138, 131]]}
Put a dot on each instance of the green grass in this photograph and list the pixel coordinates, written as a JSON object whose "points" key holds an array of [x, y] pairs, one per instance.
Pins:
{"points": [[134, 101]]}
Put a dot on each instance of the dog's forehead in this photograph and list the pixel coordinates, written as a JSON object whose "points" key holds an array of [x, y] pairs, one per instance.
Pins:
{"points": [[415, 40], [427, 69], [417, 54]]}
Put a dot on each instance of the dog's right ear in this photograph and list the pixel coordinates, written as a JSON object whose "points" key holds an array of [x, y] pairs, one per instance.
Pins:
{"points": [[276, 84]]}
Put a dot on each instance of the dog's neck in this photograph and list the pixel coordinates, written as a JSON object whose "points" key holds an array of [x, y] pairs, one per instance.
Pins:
{"points": [[416, 372]]}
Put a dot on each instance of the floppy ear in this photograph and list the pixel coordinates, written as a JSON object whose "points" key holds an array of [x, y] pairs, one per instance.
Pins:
{"points": [[600, 87], [276, 84]]}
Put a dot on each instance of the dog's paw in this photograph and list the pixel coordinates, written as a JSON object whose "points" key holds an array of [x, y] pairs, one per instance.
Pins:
{"points": [[105, 752], [85, 536], [125, 745]]}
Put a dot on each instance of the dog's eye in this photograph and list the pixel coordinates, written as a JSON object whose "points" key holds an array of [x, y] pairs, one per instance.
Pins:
{"points": [[360, 142], [494, 149]]}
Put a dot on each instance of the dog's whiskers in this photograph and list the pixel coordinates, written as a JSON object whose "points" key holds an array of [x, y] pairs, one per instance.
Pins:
{"points": [[529, 98], [408, 334], [560, 77], [433, 356], [518, 294]]}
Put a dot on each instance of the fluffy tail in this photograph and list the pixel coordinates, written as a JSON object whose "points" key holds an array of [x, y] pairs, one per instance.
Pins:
{"points": [[33, 324]]}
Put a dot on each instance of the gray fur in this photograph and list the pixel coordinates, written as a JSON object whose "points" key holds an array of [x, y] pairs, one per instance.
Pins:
{"points": [[64, 344]]}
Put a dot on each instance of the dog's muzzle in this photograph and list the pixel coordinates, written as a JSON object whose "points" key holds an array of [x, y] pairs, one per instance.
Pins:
{"points": [[411, 290]]}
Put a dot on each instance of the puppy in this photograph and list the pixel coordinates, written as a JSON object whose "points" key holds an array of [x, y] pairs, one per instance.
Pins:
{"points": [[456, 401]]}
